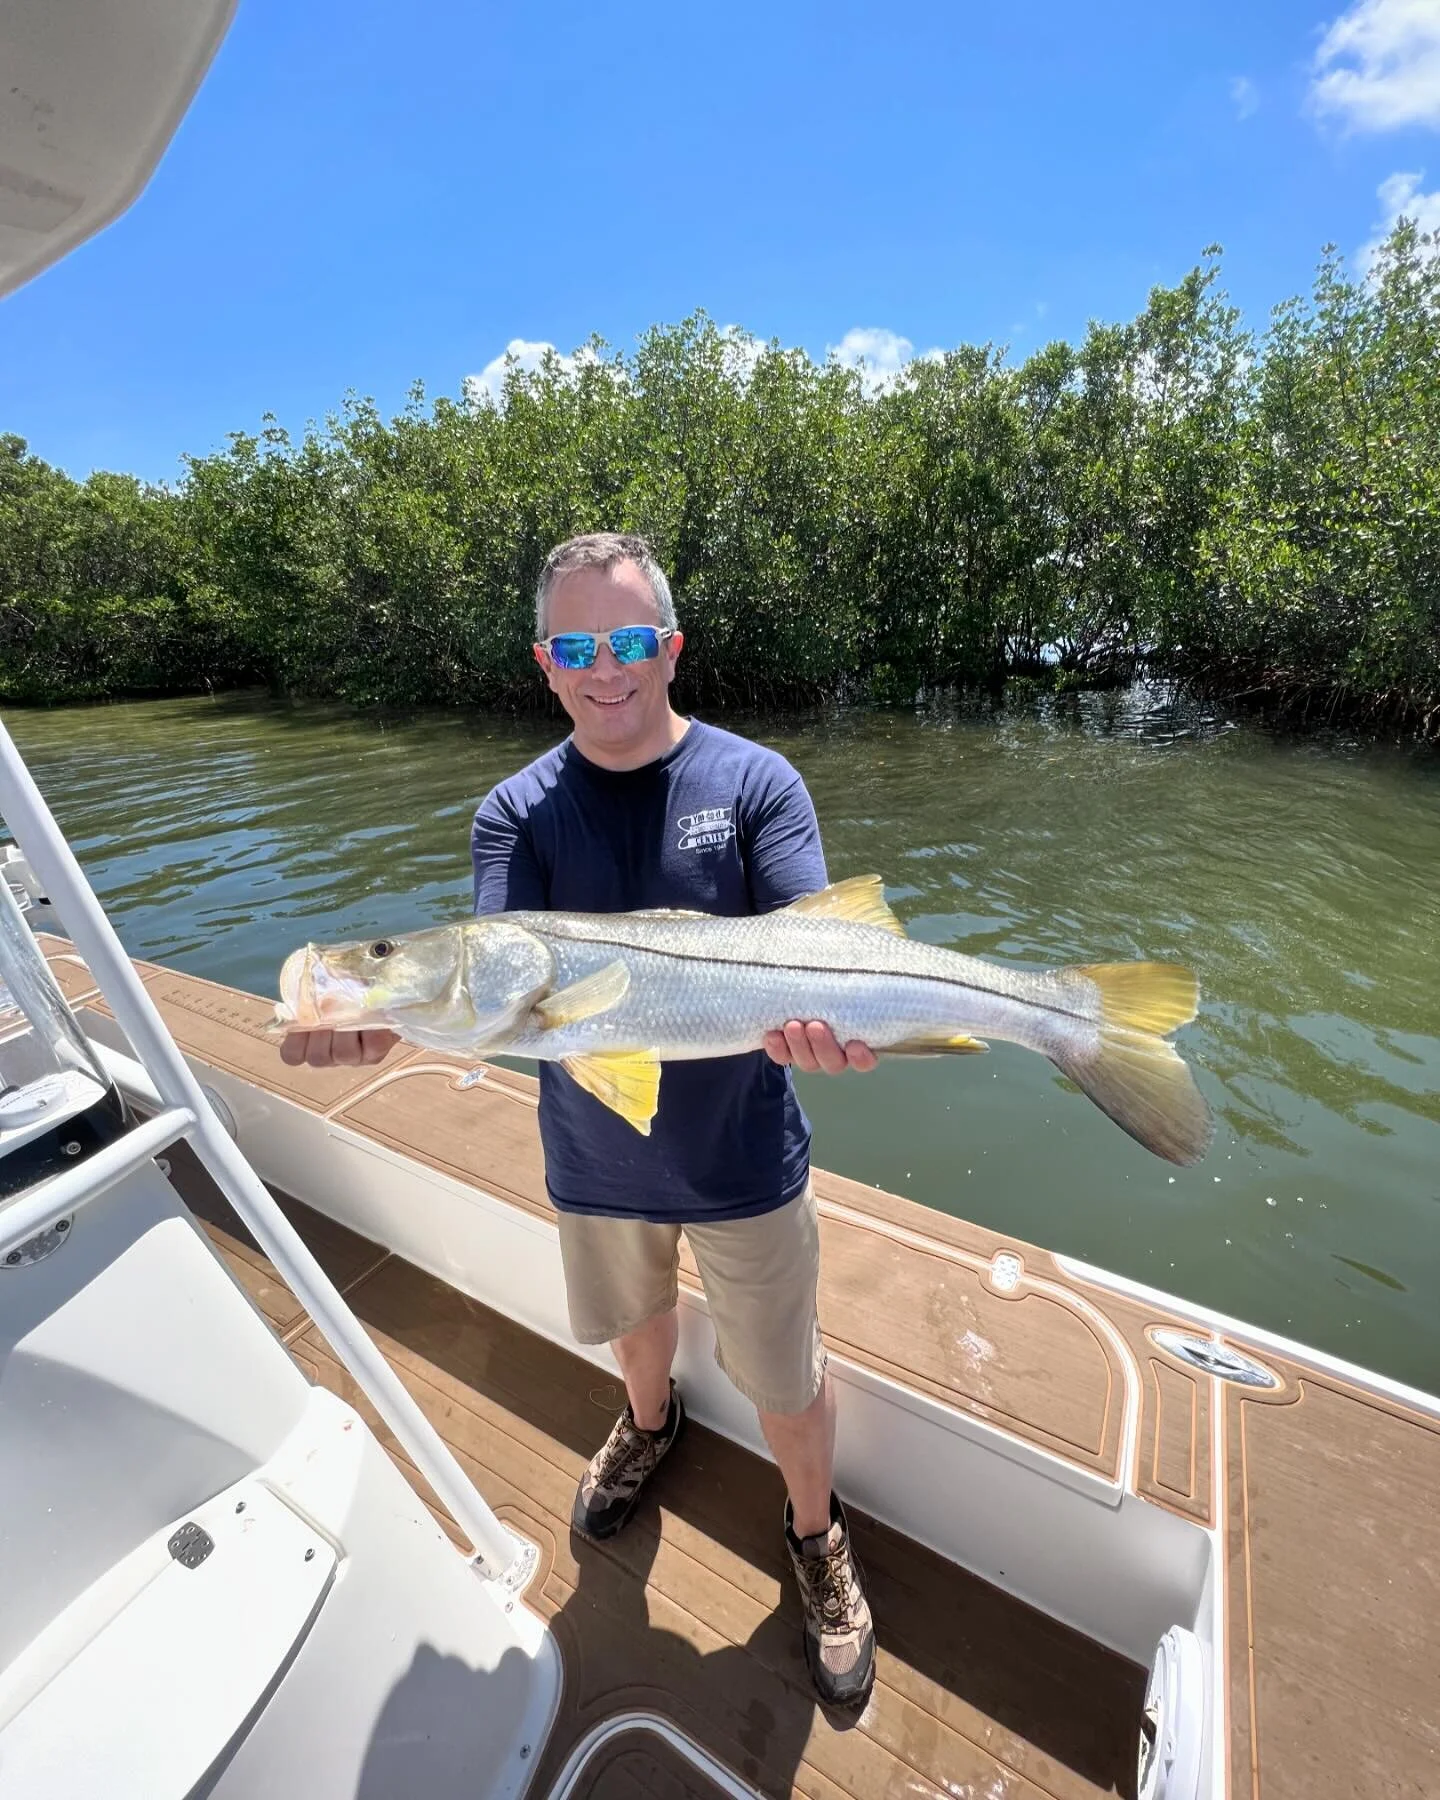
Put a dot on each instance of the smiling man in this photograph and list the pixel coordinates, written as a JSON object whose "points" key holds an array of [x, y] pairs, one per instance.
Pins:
{"points": [[641, 807]]}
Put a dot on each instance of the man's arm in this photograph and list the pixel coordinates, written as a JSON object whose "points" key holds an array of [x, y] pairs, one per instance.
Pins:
{"points": [[507, 873], [786, 860]]}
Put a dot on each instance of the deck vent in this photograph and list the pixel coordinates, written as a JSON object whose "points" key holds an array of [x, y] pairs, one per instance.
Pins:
{"points": [[1005, 1272], [1214, 1358]]}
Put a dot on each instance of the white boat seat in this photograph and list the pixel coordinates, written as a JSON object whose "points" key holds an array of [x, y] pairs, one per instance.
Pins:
{"points": [[141, 1685]]}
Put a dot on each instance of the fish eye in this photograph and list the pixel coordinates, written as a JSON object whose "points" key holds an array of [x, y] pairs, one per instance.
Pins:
{"points": [[381, 947]]}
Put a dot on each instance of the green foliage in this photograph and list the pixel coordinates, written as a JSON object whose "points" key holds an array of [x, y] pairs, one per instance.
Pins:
{"points": [[1168, 491], [94, 589], [1320, 566]]}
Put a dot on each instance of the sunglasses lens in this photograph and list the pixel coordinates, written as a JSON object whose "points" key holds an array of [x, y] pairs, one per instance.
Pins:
{"points": [[635, 643], [573, 650]]}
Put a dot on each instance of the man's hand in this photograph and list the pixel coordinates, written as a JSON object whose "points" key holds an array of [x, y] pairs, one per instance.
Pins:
{"points": [[814, 1049], [337, 1049]]}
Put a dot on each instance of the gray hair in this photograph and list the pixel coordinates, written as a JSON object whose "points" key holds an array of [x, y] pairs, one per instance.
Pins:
{"points": [[603, 550]]}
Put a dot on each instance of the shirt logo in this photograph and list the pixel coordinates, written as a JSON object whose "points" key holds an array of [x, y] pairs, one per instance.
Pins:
{"points": [[706, 829]]}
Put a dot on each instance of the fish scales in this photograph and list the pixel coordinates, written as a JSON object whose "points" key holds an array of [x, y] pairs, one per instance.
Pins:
{"points": [[612, 996], [706, 987]]}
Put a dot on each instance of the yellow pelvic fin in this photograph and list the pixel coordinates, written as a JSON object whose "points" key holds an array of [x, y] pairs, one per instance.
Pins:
{"points": [[861, 900], [627, 1082], [1154, 997], [937, 1046], [597, 993]]}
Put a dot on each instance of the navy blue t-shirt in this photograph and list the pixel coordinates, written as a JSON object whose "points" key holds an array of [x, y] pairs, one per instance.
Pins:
{"points": [[717, 825]]}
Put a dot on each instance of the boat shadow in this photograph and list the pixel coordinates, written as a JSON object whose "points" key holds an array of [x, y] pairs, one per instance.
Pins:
{"points": [[692, 1612], [437, 1732], [645, 1633]]}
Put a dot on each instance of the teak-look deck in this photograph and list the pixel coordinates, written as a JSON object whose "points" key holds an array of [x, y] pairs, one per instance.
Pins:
{"points": [[1328, 1491]]}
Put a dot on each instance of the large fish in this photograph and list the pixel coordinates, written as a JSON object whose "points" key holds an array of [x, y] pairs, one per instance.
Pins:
{"points": [[612, 996]]}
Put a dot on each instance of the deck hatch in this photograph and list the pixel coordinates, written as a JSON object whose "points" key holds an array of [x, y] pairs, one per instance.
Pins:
{"points": [[210, 1632]]}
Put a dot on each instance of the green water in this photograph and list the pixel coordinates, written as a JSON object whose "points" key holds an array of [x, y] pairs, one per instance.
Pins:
{"points": [[1298, 879]]}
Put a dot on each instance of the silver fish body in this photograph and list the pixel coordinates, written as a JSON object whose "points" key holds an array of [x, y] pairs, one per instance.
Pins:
{"points": [[703, 986], [612, 996]]}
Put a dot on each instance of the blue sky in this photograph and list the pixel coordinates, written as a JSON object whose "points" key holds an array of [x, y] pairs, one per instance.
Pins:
{"points": [[364, 194]]}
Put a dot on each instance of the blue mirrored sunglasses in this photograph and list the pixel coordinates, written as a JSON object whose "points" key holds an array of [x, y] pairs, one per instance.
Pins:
{"points": [[628, 644]]}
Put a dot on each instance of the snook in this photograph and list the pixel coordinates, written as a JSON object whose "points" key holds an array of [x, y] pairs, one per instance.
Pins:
{"points": [[612, 996]]}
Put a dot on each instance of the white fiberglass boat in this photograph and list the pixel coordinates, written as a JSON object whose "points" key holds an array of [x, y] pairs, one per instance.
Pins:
{"points": [[290, 1419]]}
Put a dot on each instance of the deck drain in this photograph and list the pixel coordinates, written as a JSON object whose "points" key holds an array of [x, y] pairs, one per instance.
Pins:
{"points": [[1214, 1359]]}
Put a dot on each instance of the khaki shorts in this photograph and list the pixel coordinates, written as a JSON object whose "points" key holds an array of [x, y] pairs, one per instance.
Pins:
{"points": [[760, 1277]]}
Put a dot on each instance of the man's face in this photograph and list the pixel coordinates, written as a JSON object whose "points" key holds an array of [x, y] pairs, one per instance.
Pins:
{"points": [[619, 710]]}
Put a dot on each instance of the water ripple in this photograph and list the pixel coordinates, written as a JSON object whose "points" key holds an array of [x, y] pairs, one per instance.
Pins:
{"points": [[1296, 877]]}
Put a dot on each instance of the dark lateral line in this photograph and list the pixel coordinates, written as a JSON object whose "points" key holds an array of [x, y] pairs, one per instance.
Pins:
{"points": [[732, 962]]}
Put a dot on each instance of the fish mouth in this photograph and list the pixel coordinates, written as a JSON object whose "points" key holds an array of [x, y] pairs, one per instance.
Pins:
{"points": [[313, 996]]}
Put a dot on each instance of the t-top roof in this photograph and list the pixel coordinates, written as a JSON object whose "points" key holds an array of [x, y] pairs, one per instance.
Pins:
{"points": [[89, 98]]}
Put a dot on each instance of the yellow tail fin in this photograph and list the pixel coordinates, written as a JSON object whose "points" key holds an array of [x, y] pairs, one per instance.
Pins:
{"points": [[1145, 1087], [1155, 997]]}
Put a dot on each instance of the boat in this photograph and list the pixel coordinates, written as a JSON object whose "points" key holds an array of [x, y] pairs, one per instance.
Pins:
{"points": [[291, 1420]]}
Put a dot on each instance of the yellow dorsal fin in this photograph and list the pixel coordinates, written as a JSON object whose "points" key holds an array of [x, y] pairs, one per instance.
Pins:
{"points": [[861, 900], [597, 993], [1154, 997], [628, 1082]]}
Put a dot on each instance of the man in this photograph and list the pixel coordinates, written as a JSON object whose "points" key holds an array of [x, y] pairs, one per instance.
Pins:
{"points": [[639, 808]]}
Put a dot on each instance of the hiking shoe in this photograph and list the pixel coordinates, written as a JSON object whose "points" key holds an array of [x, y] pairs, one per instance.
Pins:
{"points": [[610, 1488], [839, 1637]]}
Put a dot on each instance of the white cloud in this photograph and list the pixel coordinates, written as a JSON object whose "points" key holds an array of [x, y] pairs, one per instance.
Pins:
{"points": [[1378, 65], [879, 355], [1245, 96], [1400, 198], [489, 384]]}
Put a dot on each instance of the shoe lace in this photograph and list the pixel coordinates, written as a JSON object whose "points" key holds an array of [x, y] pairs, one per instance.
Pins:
{"points": [[627, 1441], [830, 1587]]}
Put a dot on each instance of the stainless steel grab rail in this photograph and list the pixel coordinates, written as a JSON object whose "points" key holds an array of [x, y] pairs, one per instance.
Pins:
{"points": [[188, 1113]]}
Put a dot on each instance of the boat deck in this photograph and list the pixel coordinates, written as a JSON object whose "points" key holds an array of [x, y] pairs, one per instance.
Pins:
{"points": [[691, 1613], [1321, 1491]]}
